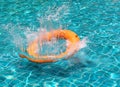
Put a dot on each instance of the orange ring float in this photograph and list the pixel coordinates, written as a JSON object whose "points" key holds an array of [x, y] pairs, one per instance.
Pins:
{"points": [[72, 46]]}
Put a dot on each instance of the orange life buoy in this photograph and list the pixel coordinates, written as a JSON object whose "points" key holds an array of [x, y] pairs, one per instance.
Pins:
{"points": [[72, 47]]}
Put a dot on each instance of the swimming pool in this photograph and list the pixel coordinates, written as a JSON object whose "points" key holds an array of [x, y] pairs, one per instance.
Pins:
{"points": [[98, 20]]}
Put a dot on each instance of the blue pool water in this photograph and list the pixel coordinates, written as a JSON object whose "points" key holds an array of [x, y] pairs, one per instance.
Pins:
{"points": [[97, 65]]}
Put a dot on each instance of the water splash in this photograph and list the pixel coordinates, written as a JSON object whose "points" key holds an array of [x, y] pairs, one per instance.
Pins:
{"points": [[15, 33], [22, 36], [53, 16], [57, 15]]}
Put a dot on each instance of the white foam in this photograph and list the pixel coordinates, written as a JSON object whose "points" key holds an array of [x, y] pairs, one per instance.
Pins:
{"points": [[83, 43]]}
